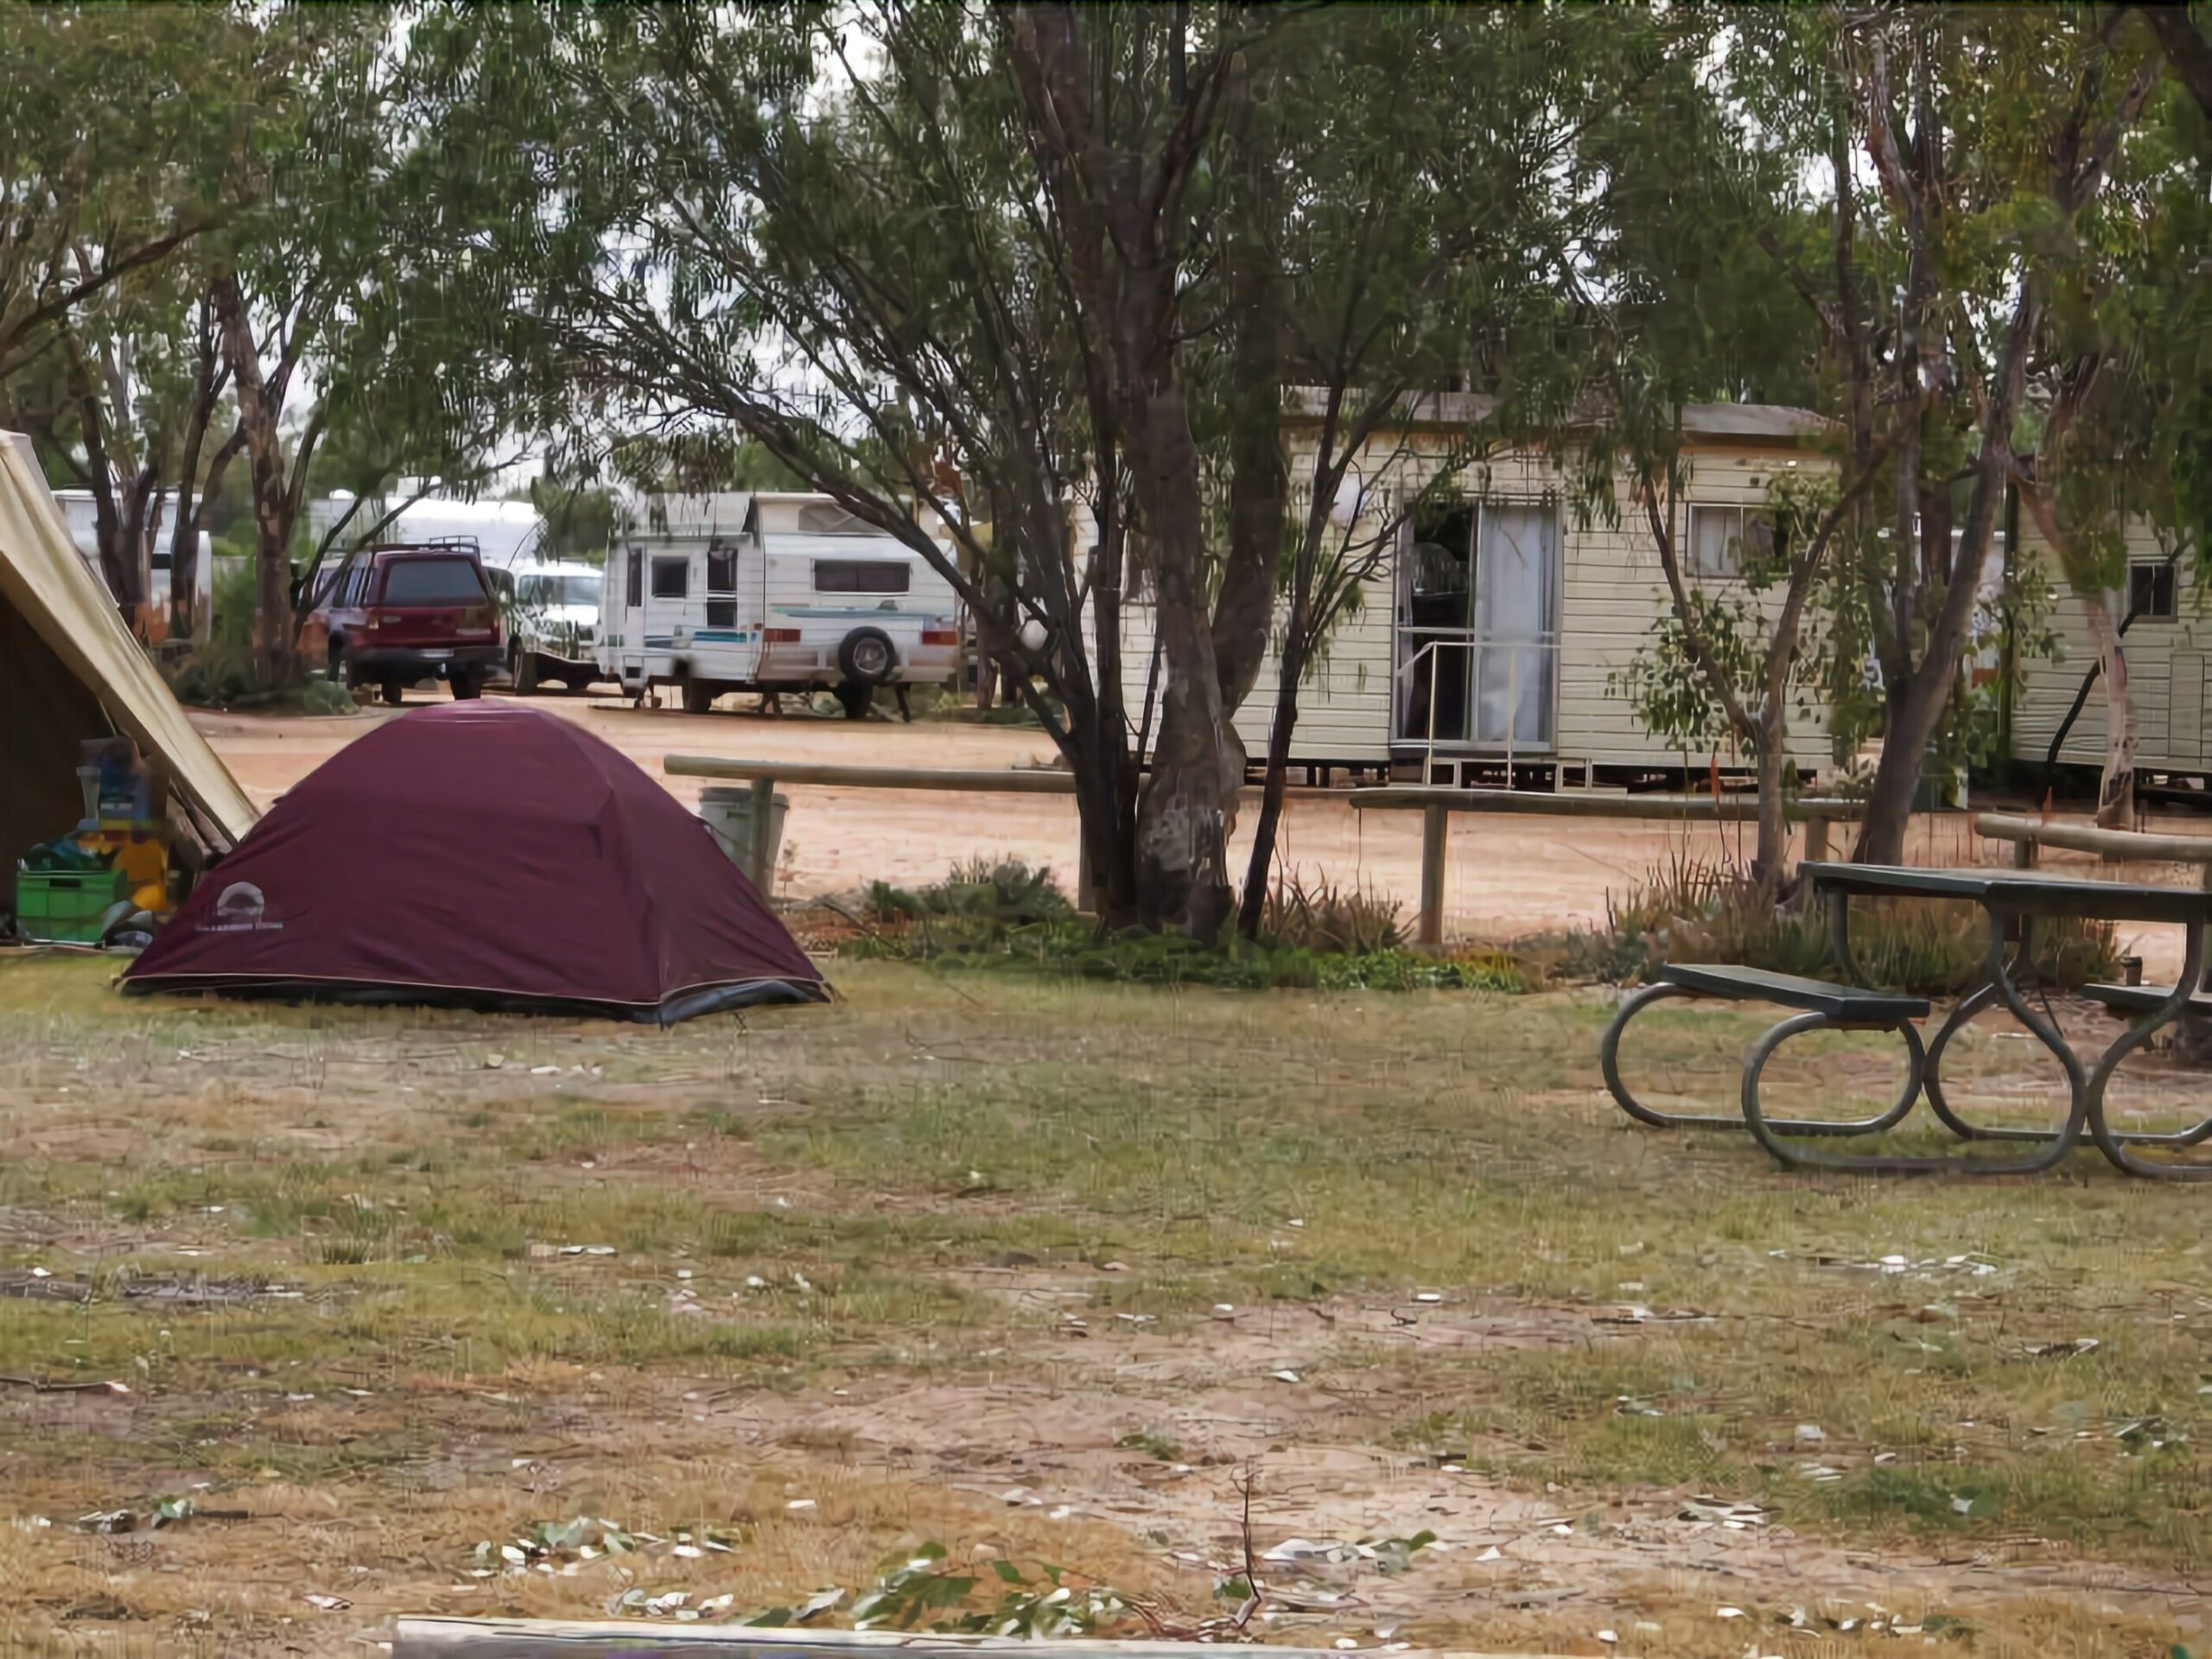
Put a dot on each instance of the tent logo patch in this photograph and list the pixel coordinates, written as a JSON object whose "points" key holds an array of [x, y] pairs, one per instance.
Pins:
{"points": [[240, 908]]}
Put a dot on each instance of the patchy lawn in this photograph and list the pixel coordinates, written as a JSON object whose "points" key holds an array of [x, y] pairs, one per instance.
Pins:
{"points": [[1045, 1273]]}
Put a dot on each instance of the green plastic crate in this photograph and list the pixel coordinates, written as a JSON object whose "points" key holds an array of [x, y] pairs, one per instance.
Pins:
{"points": [[66, 906]]}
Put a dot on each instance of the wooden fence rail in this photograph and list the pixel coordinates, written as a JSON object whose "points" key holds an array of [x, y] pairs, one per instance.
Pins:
{"points": [[1436, 806], [2123, 845]]}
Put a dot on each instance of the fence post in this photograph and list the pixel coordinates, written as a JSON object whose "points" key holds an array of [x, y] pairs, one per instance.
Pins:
{"points": [[764, 808], [1816, 838], [1435, 825]]}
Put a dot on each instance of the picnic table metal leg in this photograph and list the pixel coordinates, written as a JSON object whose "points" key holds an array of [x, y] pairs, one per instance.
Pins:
{"points": [[2115, 1146], [1609, 1065], [2054, 1148], [1435, 827], [1962, 1014]]}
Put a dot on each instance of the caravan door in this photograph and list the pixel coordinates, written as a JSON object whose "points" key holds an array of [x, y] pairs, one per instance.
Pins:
{"points": [[622, 617], [668, 598]]}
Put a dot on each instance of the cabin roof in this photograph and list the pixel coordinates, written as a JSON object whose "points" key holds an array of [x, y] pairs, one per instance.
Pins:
{"points": [[1750, 423]]}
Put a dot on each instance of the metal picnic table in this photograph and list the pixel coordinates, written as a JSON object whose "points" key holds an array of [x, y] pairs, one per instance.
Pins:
{"points": [[2013, 900]]}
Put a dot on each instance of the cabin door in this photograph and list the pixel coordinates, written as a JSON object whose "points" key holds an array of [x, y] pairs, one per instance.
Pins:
{"points": [[1517, 626], [1477, 629]]}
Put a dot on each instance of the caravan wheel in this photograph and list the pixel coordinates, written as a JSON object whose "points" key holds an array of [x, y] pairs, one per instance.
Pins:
{"points": [[699, 695]]}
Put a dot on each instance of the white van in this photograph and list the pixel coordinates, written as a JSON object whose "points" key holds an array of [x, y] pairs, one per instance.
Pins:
{"points": [[552, 622], [771, 592]]}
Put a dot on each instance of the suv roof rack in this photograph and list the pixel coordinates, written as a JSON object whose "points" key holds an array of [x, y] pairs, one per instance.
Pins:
{"points": [[430, 544]]}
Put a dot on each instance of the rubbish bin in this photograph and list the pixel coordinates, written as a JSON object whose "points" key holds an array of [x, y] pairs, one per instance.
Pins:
{"points": [[729, 813]]}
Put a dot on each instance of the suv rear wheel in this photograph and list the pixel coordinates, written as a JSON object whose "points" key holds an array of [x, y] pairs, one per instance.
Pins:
{"points": [[524, 671]]}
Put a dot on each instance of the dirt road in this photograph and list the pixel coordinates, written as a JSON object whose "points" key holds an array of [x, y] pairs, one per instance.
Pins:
{"points": [[1507, 877]]}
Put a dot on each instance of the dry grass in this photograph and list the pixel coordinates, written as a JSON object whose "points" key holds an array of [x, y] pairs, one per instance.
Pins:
{"points": [[992, 1223]]}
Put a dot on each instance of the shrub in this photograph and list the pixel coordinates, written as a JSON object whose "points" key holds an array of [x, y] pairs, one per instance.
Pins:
{"points": [[325, 696], [1692, 911], [1322, 916], [1006, 890]]}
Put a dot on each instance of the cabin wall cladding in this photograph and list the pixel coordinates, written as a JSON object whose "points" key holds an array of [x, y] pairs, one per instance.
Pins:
{"points": [[1611, 592], [2166, 668]]}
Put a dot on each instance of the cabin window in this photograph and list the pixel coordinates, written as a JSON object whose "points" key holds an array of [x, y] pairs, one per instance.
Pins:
{"points": [[637, 583], [862, 576], [1720, 537], [2151, 592], [671, 578], [721, 587]]}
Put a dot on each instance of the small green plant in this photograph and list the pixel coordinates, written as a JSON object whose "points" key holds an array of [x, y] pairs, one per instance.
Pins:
{"points": [[323, 696], [1006, 890], [1156, 1446], [1318, 914]]}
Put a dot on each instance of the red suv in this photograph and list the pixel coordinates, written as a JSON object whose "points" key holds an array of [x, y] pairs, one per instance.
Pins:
{"points": [[402, 615]]}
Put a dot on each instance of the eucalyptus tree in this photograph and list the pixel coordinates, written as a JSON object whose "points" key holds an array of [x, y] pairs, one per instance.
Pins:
{"points": [[1029, 280], [1936, 159]]}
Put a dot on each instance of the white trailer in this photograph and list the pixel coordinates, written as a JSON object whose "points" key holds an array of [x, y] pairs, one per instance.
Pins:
{"points": [[771, 593], [81, 513]]}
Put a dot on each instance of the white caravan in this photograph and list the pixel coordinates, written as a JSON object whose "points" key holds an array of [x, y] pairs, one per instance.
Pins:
{"points": [[769, 593], [81, 514]]}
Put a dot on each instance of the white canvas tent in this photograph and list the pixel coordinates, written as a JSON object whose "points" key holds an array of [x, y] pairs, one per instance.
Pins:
{"points": [[69, 670]]}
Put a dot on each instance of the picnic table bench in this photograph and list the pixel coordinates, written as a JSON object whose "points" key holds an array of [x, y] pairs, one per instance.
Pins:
{"points": [[2013, 899]]}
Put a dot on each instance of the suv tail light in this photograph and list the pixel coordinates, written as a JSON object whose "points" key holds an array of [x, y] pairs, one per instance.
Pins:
{"points": [[780, 636], [939, 636]]}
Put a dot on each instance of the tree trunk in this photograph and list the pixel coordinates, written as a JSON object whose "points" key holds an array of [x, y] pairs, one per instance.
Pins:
{"points": [[1183, 817], [272, 528], [2116, 791], [1771, 861], [1260, 870]]}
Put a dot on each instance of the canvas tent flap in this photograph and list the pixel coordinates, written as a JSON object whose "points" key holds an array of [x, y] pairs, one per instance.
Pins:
{"points": [[43, 579]]}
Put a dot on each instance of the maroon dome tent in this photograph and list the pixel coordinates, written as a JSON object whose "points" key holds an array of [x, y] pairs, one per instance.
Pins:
{"points": [[487, 855]]}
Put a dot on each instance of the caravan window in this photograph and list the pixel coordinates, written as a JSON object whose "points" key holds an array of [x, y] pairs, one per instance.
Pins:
{"points": [[671, 577], [861, 576]]}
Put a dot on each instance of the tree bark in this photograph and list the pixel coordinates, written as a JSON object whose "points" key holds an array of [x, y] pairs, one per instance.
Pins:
{"points": [[2116, 789], [1184, 814], [272, 528], [1771, 860]]}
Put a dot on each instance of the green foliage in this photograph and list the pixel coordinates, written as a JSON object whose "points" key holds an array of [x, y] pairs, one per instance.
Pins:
{"points": [[1692, 911], [1304, 913], [1073, 948], [1002, 891]]}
